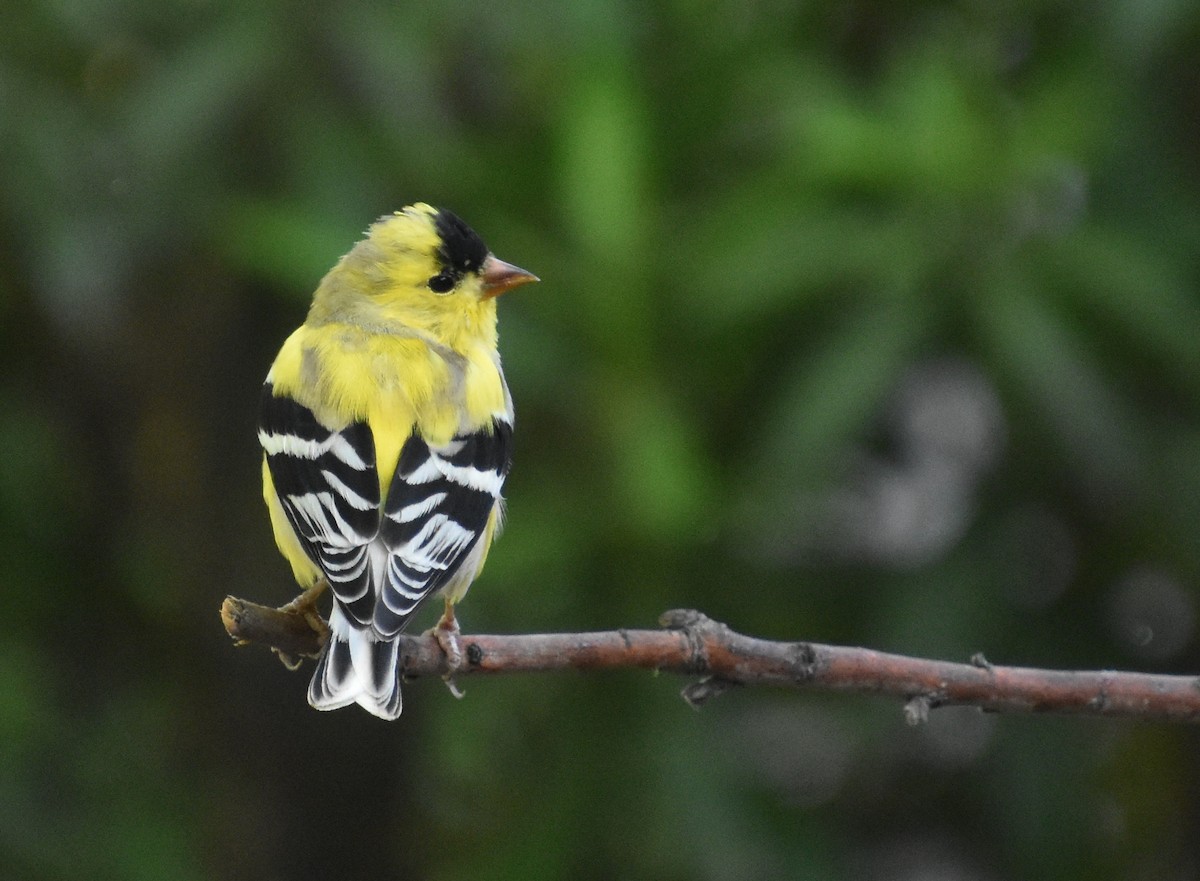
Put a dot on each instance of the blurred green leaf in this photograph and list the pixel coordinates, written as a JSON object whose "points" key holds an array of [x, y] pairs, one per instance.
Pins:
{"points": [[1137, 291], [751, 257], [607, 205], [604, 188], [1034, 347], [660, 475], [828, 397], [284, 244]]}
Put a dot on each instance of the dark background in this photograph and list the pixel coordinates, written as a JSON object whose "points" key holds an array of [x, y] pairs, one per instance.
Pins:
{"points": [[860, 322]]}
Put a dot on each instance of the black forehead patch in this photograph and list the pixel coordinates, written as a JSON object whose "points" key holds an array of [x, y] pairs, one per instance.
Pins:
{"points": [[462, 250]]}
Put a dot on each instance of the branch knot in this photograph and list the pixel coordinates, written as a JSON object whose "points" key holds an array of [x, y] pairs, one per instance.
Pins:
{"points": [[696, 628]]}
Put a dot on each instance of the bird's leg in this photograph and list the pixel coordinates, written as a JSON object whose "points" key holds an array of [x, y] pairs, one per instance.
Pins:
{"points": [[446, 633]]}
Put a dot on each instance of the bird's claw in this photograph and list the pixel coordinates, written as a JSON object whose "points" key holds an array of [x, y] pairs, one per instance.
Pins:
{"points": [[446, 632], [448, 640], [306, 606]]}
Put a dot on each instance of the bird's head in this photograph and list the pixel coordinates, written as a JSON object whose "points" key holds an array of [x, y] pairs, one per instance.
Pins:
{"points": [[423, 268]]}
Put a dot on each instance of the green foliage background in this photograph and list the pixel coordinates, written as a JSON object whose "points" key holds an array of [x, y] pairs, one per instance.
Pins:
{"points": [[861, 322]]}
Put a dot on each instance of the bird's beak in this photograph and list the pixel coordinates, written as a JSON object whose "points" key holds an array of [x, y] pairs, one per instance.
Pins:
{"points": [[498, 277]]}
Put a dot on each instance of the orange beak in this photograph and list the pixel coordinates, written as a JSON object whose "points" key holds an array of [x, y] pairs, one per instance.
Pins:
{"points": [[499, 277]]}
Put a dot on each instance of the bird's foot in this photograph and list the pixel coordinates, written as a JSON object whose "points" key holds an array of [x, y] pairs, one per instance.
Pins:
{"points": [[304, 606], [446, 632]]}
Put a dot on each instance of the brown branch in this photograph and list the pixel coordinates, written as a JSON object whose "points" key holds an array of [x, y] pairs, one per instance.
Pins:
{"points": [[693, 645]]}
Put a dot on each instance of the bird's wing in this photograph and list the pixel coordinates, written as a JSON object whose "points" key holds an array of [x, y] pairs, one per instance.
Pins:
{"points": [[437, 509], [329, 489]]}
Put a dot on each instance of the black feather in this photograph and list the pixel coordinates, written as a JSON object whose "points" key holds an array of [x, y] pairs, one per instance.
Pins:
{"points": [[300, 475], [461, 250]]}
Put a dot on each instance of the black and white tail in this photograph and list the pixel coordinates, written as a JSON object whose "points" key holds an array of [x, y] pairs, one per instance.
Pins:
{"points": [[357, 666]]}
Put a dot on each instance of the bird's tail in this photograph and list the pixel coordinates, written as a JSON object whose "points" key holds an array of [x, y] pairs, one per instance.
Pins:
{"points": [[356, 667]]}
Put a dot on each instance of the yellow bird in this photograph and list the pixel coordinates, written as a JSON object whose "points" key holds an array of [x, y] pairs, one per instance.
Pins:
{"points": [[386, 429]]}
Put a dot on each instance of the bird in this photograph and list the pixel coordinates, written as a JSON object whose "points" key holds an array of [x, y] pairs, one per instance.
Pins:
{"points": [[386, 426]]}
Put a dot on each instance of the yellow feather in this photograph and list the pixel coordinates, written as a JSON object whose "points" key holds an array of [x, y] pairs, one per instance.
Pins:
{"points": [[306, 572]]}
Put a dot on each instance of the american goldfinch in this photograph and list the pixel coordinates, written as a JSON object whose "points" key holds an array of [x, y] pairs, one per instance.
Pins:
{"points": [[386, 428]]}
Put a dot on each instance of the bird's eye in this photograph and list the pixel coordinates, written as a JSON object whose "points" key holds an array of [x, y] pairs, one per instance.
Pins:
{"points": [[442, 283]]}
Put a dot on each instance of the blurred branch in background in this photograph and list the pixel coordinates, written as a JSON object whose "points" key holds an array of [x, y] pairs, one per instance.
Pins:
{"points": [[692, 644]]}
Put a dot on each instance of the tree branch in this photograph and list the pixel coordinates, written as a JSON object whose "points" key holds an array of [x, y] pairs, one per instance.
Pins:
{"points": [[693, 645]]}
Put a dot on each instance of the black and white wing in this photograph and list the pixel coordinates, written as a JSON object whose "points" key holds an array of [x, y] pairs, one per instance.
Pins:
{"points": [[437, 511], [329, 489]]}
